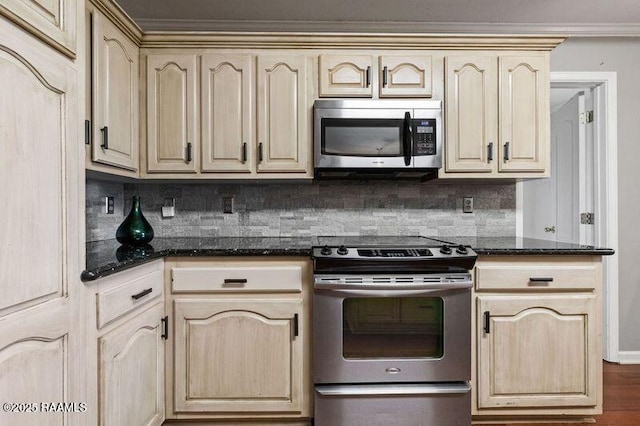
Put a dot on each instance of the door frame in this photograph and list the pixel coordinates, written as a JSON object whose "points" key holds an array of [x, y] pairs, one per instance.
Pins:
{"points": [[605, 128]]}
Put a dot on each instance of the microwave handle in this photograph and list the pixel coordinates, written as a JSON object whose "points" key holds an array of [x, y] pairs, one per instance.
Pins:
{"points": [[406, 138]]}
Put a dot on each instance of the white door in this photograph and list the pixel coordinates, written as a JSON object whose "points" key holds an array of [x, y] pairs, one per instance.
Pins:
{"points": [[551, 207]]}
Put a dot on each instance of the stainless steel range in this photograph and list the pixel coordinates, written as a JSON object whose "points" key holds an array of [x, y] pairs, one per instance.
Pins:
{"points": [[392, 332]]}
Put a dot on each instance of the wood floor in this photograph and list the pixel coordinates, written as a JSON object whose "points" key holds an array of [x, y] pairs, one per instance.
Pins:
{"points": [[621, 397]]}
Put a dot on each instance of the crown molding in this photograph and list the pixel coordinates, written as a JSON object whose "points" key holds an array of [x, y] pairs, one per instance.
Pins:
{"points": [[120, 18], [569, 29]]}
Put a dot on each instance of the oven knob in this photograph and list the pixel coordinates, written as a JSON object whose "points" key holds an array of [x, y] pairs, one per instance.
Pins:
{"points": [[326, 251], [342, 250], [462, 249], [445, 250]]}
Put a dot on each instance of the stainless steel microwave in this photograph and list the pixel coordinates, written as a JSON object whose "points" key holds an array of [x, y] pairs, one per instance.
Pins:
{"points": [[377, 138]]}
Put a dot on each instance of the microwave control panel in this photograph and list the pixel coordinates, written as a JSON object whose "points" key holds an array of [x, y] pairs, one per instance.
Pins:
{"points": [[424, 137]]}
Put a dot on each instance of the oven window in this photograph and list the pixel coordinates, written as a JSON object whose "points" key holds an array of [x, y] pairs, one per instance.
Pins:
{"points": [[407, 327], [362, 137]]}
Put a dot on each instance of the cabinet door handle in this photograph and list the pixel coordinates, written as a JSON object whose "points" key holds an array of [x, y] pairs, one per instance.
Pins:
{"points": [[87, 132], [384, 77], [105, 137], [165, 327], [541, 279], [260, 152], [487, 322], [507, 151], [368, 76], [295, 325], [244, 152], [234, 282], [189, 152], [490, 151], [141, 294]]}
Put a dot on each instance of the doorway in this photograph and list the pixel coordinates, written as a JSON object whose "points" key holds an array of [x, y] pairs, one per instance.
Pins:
{"points": [[579, 202]]}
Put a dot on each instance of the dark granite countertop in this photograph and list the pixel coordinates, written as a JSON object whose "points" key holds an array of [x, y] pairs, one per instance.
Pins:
{"points": [[108, 257]]}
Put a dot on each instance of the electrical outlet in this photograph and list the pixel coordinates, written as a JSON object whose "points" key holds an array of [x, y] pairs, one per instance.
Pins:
{"points": [[467, 204], [109, 205], [227, 204]]}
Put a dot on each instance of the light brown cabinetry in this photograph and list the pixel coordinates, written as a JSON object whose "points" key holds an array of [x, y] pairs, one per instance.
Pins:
{"points": [[240, 347], [115, 95], [361, 76], [172, 114], [41, 348], [537, 336], [129, 344], [497, 116]]}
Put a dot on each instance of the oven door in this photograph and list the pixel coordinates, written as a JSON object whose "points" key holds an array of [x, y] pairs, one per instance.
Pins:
{"points": [[388, 335]]}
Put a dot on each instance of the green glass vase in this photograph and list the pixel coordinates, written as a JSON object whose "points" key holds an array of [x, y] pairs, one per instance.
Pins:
{"points": [[135, 230]]}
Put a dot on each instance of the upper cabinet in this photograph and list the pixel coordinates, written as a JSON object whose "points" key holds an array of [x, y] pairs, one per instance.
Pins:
{"points": [[115, 95], [172, 114], [53, 21], [251, 123], [497, 116], [355, 76]]}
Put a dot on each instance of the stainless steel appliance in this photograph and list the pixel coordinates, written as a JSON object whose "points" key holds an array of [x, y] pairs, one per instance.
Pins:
{"points": [[392, 332], [377, 138]]}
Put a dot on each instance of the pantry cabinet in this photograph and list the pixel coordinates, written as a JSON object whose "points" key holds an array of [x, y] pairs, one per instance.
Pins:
{"points": [[497, 116], [361, 76], [240, 347], [173, 143], [537, 336], [115, 95]]}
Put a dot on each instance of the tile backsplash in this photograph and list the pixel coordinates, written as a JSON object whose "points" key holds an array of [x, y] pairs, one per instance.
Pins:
{"points": [[302, 210]]}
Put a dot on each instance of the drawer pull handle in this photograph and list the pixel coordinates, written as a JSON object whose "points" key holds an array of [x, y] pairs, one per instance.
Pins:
{"points": [[235, 282], [141, 294], [540, 280]]}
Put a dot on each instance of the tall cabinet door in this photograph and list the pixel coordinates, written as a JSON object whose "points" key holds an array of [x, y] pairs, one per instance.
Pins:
{"points": [[172, 114], [471, 118], [241, 356], [227, 113], [537, 351], [116, 68], [524, 114], [283, 137], [131, 374], [39, 181]]}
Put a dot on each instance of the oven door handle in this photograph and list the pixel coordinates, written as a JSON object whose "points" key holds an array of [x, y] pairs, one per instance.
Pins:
{"points": [[404, 389], [386, 292], [406, 138]]}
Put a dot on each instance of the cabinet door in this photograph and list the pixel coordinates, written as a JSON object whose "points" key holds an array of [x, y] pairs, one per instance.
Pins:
{"points": [[131, 374], [54, 21], [172, 108], [538, 351], [227, 113], [283, 136], [346, 75], [472, 108], [524, 114], [115, 59], [237, 356], [403, 76]]}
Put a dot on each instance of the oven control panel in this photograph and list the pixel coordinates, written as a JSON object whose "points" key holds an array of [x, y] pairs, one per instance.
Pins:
{"points": [[444, 251], [394, 252]]}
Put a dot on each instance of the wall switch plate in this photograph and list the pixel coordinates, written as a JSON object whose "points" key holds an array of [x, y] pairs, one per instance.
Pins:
{"points": [[467, 204], [109, 205], [227, 204]]}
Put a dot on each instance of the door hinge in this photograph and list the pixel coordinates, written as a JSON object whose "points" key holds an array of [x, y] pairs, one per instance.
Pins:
{"points": [[165, 327], [587, 218], [586, 117]]}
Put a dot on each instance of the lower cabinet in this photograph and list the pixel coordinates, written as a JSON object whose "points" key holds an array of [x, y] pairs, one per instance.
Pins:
{"points": [[537, 337], [238, 356], [131, 372]]}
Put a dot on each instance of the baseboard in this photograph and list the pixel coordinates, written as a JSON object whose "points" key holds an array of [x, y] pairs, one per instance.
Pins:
{"points": [[629, 357]]}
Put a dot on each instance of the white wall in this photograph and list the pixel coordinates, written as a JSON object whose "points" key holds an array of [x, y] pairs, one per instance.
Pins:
{"points": [[621, 55]]}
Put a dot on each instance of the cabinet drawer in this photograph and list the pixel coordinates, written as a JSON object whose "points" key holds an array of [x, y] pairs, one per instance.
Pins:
{"points": [[237, 279], [539, 277], [117, 301]]}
